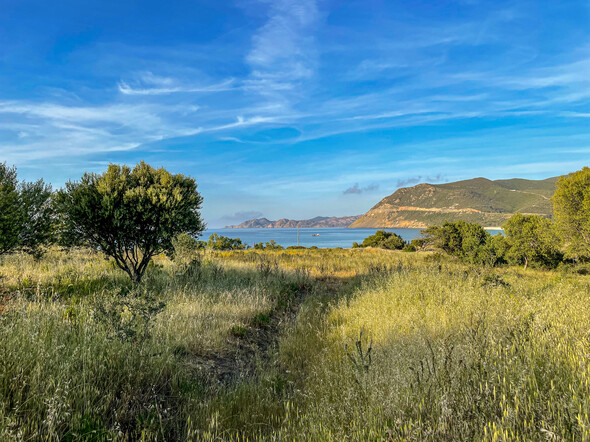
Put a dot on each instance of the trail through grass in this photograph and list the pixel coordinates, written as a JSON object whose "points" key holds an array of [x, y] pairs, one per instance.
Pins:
{"points": [[292, 345]]}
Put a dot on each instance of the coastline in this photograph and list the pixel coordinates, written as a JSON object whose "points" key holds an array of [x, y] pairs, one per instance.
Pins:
{"points": [[336, 227]]}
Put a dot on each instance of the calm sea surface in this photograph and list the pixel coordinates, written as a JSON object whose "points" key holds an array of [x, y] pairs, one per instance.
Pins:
{"points": [[329, 237]]}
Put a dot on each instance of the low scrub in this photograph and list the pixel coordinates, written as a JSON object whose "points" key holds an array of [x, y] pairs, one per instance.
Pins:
{"points": [[295, 344]]}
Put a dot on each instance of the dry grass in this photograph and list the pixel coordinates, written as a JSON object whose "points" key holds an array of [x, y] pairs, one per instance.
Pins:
{"points": [[457, 352]]}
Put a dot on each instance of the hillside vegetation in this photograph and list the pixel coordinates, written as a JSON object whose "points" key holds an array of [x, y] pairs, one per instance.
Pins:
{"points": [[479, 200]]}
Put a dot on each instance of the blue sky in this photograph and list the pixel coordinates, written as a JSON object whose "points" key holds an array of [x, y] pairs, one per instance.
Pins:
{"points": [[296, 108]]}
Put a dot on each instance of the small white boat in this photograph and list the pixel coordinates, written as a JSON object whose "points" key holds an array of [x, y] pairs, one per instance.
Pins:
{"points": [[315, 234]]}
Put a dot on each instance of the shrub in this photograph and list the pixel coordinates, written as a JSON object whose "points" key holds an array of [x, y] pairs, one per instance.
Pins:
{"points": [[10, 212], [186, 248], [383, 240], [531, 238], [26, 214], [38, 225], [419, 243], [220, 242], [571, 211], [468, 241], [270, 245]]}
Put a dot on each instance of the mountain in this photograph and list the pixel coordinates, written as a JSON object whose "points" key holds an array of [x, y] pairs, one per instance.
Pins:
{"points": [[318, 221], [479, 200]]}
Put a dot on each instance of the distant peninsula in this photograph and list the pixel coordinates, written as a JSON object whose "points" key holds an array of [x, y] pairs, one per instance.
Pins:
{"points": [[317, 222], [478, 200]]}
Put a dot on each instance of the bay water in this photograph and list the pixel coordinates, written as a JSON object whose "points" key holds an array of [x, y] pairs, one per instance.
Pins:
{"points": [[328, 237]]}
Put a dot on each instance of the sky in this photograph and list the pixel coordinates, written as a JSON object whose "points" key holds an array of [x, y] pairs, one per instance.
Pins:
{"points": [[296, 108]]}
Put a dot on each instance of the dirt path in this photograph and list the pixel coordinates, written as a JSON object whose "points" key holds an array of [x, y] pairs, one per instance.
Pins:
{"points": [[250, 346]]}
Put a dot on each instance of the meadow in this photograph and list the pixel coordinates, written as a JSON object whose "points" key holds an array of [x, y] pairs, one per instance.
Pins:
{"points": [[356, 344]]}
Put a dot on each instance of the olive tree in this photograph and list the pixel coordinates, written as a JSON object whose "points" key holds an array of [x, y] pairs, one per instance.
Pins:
{"points": [[26, 214], [382, 240], [130, 214], [468, 241], [531, 238], [38, 217], [571, 212], [11, 215]]}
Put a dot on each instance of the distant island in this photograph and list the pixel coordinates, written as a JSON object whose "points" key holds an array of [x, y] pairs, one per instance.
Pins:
{"points": [[317, 222], [478, 200]]}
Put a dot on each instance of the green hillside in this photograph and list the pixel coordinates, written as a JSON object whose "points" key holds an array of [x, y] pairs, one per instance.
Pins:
{"points": [[480, 200]]}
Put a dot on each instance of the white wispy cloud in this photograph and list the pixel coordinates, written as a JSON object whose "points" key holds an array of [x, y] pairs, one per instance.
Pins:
{"points": [[283, 53], [49, 130], [287, 74], [172, 86]]}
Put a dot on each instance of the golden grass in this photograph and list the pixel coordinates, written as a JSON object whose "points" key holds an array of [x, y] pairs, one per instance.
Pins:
{"points": [[457, 352]]}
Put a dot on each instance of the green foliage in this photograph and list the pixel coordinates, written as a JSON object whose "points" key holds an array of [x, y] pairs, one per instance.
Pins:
{"points": [[127, 316], [469, 242], [493, 252], [531, 239], [571, 212], [38, 227], [270, 245], [459, 238], [382, 240], [419, 243], [26, 214], [11, 215], [186, 248], [130, 215], [220, 242]]}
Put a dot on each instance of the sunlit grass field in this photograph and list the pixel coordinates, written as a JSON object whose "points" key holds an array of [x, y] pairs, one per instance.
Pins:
{"points": [[292, 345]]}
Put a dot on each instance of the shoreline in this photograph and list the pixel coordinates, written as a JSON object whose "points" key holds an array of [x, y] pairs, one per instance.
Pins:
{"points": [[334, 227]]}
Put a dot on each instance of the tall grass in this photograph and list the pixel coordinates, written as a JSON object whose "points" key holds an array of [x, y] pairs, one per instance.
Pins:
{"points": [[454, 355], [291, 345], [83, 355]]}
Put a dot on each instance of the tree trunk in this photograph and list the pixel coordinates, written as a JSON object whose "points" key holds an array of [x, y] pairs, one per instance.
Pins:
{"points": [[526, 263], [136, 277]]}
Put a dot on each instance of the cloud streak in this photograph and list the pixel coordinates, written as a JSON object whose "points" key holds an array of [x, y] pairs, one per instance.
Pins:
{"points": [[172, 88], [357, 190], [282, 55], [419, 179]]}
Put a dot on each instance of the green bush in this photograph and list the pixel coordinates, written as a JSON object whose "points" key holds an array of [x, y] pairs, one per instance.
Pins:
{"points": [[26, 214], [220, 242], [186, 248], [468, 241], [382, 240], [571, 209], [270, 245], [418, 243], [10, 212], [409, 248], [531, 239]]}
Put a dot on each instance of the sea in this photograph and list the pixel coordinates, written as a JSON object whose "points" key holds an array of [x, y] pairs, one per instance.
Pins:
{"points": [[320, 237], [308, 237]]}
